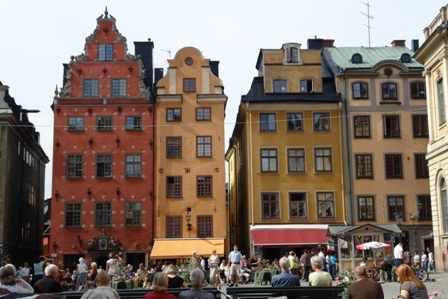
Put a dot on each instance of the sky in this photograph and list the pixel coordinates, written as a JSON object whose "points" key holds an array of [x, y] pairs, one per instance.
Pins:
{"points": [[37, 37]]}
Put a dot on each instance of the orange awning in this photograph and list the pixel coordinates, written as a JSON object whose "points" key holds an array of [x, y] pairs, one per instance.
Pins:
{"points": [[181, 248]]}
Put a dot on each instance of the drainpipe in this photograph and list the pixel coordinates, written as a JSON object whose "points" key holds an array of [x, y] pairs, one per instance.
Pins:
{"points": [[251, 183], [342, 164], [153, 173]]}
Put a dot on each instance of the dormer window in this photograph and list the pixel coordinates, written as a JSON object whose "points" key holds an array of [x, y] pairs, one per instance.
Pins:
{"points": [[105, 52], [356, 58], [293, 55], [280, 86], [405, 58]]}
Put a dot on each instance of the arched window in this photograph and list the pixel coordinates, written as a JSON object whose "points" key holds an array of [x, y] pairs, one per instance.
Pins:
{"points": [[445, 204]]}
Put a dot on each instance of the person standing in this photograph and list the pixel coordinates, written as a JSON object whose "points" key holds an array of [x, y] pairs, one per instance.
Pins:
{"points": [[424, 260], [234, 265], [333, 265], [39, 263], [364, 287], [82, 272], [213, 262], [431, 264], [25, 273], [416, 260], [285, 278], [398, 254], [306, 260], [112, 264]]}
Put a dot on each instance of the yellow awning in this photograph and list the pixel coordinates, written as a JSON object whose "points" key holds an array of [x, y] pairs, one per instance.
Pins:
{"points": [[181, 248]]}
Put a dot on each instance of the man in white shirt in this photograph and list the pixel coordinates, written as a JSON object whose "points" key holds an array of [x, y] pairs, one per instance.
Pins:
{"points": [[25, 273], [398, 254]]}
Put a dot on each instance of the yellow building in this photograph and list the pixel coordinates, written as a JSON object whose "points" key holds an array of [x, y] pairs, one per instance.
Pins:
{"points": [[285, 157], [190, 175], [432, 55], [385, 138]]}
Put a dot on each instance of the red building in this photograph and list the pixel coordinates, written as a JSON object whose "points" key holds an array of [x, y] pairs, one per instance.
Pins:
{"points": [[103, 176]]}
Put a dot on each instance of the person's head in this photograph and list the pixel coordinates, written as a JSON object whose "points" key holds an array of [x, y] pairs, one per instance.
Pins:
{"points": [[317, 261], [8, 274], [406, 274], [194, 254], [111, 255], [235, 247], [160, 282], [25, 265], [244, 257], [141, 266], [291, 253], [170, 270], [415, 253], [81, 260], [214, 252], [360, 272], [52, 270], [400, 243], [196, 278], [102, 279], [284, 263], [94, 266]]}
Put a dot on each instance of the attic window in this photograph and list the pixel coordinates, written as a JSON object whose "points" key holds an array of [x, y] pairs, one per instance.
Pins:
{"points": [[293, 55], [405, 58], [356, 58]]}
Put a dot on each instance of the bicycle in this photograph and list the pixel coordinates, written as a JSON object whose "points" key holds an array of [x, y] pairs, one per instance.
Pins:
{"points": [[421, 273], [385, 273]]}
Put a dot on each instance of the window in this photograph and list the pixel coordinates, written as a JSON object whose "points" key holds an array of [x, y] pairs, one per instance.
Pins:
{"points": [[73, 212], [361, 126], [393, 167], [103, 166], [74, 166], [133, 123], [133, 213], [105, 52], [104, 123], [204, 186], [306, 85], [366, 208], [103, 214], [119, 87], [174, 227], [323, 159], [203, 113], [364, 166], [293, 55], [133, 166], [441, 104], [421, 166], [270, 206], [268, 122], [204, 146], [389, 91], [189, 84], [325, 204], [444, 200], [174, 147], [76, 123], [425, 212], [321, 122], [268, 160], [296, 160], [279, 85], [391, 125], [418, 90], [173, 114], [360, 90], [294, 122], [174, 186], [90, 87], [205, 226], [396, 207], [297, 205], [420, 126]]}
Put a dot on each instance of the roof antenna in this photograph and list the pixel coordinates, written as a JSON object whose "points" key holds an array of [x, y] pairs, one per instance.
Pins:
{"points": [[168, 51], [368, 17]]}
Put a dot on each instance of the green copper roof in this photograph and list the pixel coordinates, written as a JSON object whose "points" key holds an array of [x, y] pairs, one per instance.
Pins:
{"points": [[370, 56]]}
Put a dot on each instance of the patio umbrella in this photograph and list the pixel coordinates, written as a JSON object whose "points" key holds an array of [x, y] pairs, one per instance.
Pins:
{"points": [[372, 245]]}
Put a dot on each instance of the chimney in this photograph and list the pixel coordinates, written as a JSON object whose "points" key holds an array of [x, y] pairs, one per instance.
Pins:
{"points": [[315, 43], [158, 74], [398, 43], [328, 43], [214, 67], [414, 45], [145, 50]]}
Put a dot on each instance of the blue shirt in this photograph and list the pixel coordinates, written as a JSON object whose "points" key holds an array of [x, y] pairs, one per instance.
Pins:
{"points": [[285, 279], [235, 256]]}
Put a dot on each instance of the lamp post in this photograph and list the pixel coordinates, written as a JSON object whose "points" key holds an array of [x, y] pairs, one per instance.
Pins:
{"points": [[399, 219]]}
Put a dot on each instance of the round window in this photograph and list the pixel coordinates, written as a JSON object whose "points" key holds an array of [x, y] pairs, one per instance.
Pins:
{"points": [[188, 61]]}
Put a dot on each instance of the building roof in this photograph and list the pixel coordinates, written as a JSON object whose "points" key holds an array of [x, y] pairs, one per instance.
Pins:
{"points": [[257, 94], [371, 56]]}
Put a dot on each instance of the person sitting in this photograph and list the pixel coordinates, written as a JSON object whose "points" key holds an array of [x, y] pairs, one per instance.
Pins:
{"points": [[364, 287], [196, 280], [159, 285], [244, 271], [285, 278], [102, 290], [49, 284], [410, 286], [319, 278], [8, 281], [174, 280], [142, 275]]}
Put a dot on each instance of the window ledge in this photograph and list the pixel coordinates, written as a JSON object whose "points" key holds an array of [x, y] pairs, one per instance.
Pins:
{"points": [[390, 102]]}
